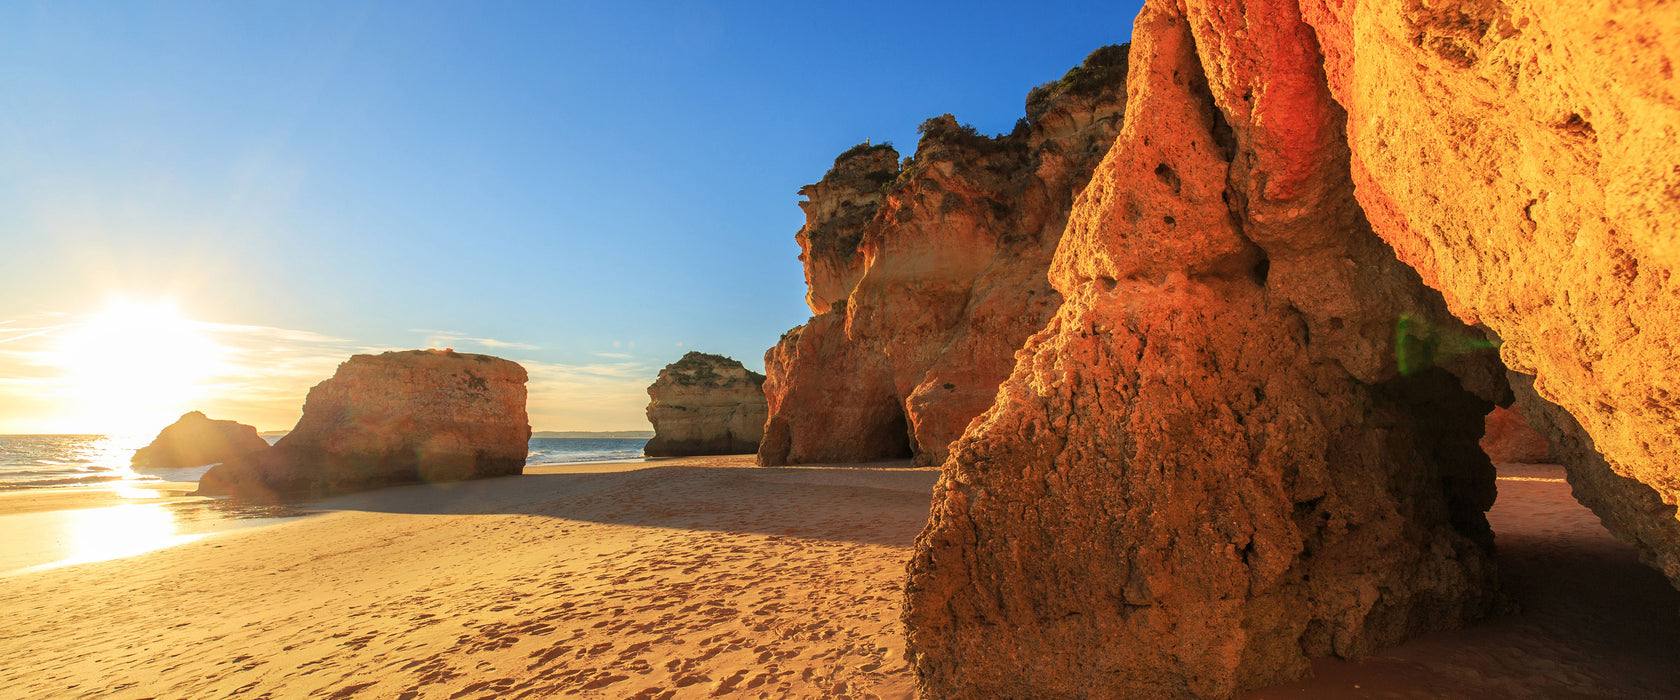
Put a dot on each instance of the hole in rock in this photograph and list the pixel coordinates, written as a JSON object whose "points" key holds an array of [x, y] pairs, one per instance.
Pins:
{"points": [[1168, 177], [1577, 126]]}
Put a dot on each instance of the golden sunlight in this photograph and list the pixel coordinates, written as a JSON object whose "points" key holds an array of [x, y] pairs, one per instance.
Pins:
{"points": [[135, 367], [98, 534]]}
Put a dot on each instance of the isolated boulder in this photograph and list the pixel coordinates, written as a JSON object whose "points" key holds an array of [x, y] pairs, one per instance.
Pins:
{"points": [[925, 279], [705, 405], [195, 440], [393, 418]]}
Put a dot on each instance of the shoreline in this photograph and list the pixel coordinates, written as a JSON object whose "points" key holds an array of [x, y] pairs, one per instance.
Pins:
{"points": [[686, 578], [51, 499], [696, 576]]}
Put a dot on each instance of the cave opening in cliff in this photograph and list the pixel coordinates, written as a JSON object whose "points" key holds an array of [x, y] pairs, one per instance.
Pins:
{"points": [[901, 441]]}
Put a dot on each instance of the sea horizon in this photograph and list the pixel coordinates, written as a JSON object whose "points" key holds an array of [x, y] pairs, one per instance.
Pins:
{"points": [[72, 460]]}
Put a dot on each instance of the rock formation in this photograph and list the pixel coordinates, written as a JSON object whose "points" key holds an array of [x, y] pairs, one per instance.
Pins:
{"points": [[1631, 510], [705, 405], [926, 279], [1247, 438], [1507, 437], [195, 440], [1522, 156], [393, 418]]}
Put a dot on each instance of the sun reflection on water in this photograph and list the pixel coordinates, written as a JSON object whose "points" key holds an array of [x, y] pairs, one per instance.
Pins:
{"points": [[99, 534]]}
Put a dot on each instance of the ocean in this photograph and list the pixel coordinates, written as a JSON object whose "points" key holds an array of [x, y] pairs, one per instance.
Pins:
{"points": [[59, 461]]}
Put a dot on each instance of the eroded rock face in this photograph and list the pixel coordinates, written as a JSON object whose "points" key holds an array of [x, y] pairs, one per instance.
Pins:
{"points": [[705, 405], [924, 301], [393, 418], [194, 441], [1507, 437], [837, 209], [1210, 466], [1522, 156], [817, 383]]}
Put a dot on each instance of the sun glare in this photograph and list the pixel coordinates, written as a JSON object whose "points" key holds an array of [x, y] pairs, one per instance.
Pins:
{"points": [[135, 367]]}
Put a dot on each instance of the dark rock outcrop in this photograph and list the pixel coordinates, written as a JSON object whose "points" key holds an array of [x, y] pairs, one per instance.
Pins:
{"points": [[393, 418], [1245, 440], [705, 405], [925, 280], [195, 440]]}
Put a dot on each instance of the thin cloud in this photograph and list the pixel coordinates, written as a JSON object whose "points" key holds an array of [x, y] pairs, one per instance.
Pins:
{"points": [[596, 396], [437, 338], [31, 332], [260, 374]]}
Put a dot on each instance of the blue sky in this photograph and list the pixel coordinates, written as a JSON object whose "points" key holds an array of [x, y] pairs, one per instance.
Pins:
{"points": [[589, 188]]}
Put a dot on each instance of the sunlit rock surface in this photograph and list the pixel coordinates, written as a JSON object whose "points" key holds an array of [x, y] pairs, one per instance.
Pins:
{"points": [[926, 280], [705, 405], [1522, 156], [195, 440], [1246, 439], [393, 418]]}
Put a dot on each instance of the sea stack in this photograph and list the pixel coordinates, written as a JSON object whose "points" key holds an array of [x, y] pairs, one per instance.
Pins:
{"points": [[393, 418], [705, 405], [925, 279], [195, 440]]}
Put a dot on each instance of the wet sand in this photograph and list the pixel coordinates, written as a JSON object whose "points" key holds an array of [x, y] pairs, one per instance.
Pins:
{"points": [[697, 577], [48, 500]]}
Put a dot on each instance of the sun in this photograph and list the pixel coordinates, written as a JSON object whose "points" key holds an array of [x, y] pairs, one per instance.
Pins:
{"points": [[135, 367]]}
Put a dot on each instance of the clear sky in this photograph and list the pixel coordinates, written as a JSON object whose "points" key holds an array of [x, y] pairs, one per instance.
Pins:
{"points": [[589, 188]]}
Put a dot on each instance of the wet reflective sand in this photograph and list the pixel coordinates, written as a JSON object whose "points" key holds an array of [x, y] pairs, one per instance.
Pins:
{"points": [[32, 541]]}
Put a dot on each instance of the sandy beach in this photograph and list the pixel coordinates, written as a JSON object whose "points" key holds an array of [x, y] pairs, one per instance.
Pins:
{"points": [[697, 577]]}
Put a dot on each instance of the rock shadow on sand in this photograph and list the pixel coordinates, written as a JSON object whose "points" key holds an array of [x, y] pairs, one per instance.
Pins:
{"points": [[866, 505]]}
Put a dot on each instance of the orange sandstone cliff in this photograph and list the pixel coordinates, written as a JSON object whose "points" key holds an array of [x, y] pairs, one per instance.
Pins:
{"points": [[705, 405], [1525, 158], [1248, 437], [1215, 462], [926, 279], [392, 418]]}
